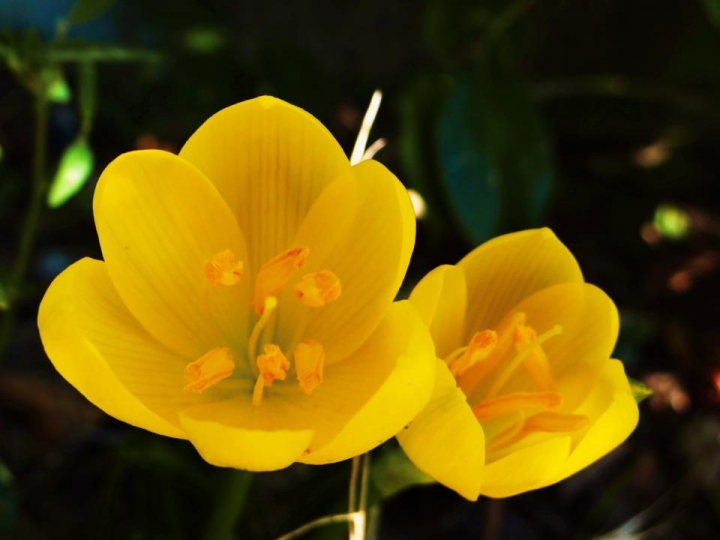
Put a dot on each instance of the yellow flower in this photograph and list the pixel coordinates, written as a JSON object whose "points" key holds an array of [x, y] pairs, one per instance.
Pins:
{"points": [[245, 298], [525, 394]]}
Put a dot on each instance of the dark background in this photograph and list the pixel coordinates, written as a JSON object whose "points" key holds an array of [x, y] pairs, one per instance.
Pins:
{"points": [[600, 119]]}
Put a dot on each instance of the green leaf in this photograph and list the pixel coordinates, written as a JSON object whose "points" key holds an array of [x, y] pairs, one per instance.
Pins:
{"points": [[58, 90], [392, 472], [74, 169], [639, 391], [80, 51], [86, 10], [494, 156], [87, 96], [4, 300], [712, 9], [8, 501]]}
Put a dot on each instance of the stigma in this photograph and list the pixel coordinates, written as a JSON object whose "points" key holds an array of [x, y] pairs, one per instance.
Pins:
{"points": [[272, 365], [211, 368]]}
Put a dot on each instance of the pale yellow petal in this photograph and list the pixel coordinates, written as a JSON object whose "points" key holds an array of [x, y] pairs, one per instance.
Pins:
{"points": [[160, 221], [373, 394], [506, 269], [445, 440], [526, 469], [614, 413], [441, 298], [97, 345], [236, 433], [270, 161], [367, 247]]}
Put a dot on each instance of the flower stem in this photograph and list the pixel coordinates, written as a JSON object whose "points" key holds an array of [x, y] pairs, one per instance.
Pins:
{"points": [[230, 506], [32, 217]]}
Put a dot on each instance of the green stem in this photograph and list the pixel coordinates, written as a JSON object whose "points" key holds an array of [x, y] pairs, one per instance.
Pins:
{"points": [[32, 217], [230, 506]]}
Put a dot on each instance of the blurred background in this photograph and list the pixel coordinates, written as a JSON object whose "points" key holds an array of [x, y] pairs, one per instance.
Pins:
{"points": [[600, 119]]}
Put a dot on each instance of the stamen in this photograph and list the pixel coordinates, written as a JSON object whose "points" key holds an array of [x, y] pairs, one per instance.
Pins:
{"points": [[481, 345], [212, 367], [536, 363], [309, 363], [505, 374], [273, 365], [267, 312], [546, 422], [275, 273], [318, 289], [510, 403], [223, 270]]}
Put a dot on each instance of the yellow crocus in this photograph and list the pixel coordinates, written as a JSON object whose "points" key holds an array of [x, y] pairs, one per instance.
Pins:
{"points": [[526, 393], [245, 298]]}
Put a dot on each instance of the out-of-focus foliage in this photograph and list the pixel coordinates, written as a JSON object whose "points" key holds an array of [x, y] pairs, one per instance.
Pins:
{"points": [[594, 118]]}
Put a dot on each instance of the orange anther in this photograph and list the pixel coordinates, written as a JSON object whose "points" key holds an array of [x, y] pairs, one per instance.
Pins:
{"points": [[273, 365], [309, 364], [223, 270], [510, 403], [275, 273], [318, 289], [210, 368], [481, 346], [536, 363]]}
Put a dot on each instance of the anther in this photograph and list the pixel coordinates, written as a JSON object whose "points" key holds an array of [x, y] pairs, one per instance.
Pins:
{"points": [[510, 403], [275, 274], [309, 364], [223, 270], [481, 346], [536, 363], [272, 365], [212, 367], [318, 289]]}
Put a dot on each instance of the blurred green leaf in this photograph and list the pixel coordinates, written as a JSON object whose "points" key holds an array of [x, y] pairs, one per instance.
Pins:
{"points": [[392, 472], [79, 51], [671, 221], [712, 8], [86, 10], [74, 169], [639, 391], [4, 301], [494, 155], [87, 96], [58, 90], [8, 501]]}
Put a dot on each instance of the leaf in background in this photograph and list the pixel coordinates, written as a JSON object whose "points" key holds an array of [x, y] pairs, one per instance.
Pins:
{"points": [[87, 96], [74, 169], [58, 90], [86, 10], [4, 303], [494, 155], [80, 51], [392, 472], [712, 8], [639, 391], [8, 501]]}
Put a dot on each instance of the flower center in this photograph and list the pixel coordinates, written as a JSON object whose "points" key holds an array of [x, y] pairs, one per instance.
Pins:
{"points": [[312, 290], [490, 363]]}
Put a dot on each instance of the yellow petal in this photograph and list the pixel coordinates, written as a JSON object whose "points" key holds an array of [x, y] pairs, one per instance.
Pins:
{"points": [[367, 245], [445, 440], [614, 413], [160, 220], [237, 434], [506, 269], [371, 395], [525, 469], [441, 298], [270, 161], [589, 322], [97, 345]]}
